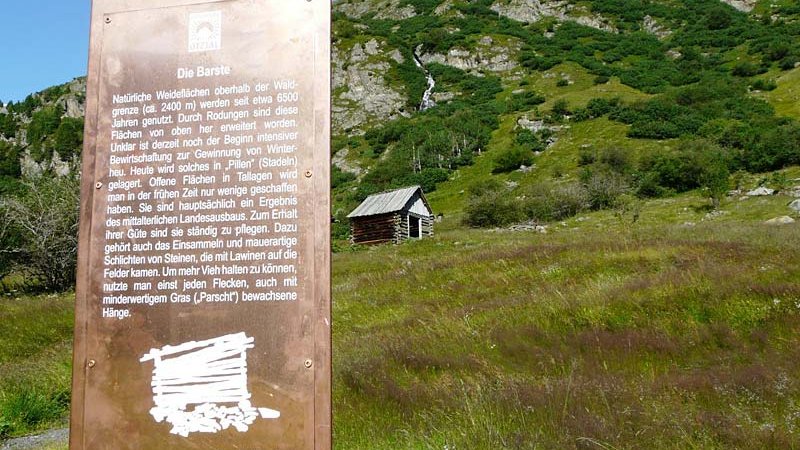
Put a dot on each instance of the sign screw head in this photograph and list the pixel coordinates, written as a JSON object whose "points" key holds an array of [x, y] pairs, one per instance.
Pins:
{"points": [[98, 185], [308, 174], [92, 363], [308, 364], [108, 19]]}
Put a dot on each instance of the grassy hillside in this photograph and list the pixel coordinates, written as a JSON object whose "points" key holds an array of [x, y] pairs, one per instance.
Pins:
{"points": [[651, 337]]}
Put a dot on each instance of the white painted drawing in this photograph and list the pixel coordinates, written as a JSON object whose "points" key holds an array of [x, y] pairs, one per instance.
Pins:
{"points": [[210, 377]]}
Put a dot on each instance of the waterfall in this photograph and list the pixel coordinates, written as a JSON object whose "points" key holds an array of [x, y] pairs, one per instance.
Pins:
{"points": [[427, 101]]}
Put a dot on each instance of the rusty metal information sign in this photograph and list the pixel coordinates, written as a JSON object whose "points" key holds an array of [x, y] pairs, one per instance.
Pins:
{"points": [[203, 299]]}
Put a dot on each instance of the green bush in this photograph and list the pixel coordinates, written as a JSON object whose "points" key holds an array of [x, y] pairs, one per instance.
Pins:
{"points": [[560, 109], [340, 177], [8, 126], [764, 85], [697, 163], [545, 202], [493, 207], [512, 159], [524, 101], [745, 69], [601, 79], [68, 137], [9, 159], [603, 189], [529, 140], [427, 178]]}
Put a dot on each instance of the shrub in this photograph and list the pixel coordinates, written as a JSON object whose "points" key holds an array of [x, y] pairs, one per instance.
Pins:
{"points": [[560, 108], [528, 139], [43, 123], [340, 177], [544, 202], [601, 79], [788, 63], [744, 69], [698, 163], [603, 189], [524, 101], [9, 159], [40, 230], [492, 207], [512, 159], [764, 85], [8, 126], [68, 137], [586, 157], [427, 178], [617, 159], [778, 148], [562, 82]]}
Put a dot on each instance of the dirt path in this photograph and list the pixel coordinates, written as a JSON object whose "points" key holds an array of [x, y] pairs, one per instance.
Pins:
{"points": [[38, 441]]}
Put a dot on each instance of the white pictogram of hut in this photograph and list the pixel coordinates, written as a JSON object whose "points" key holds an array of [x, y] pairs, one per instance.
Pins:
{"points": [[211, 377]]}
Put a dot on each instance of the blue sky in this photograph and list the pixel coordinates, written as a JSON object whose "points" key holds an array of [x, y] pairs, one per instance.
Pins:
{"points": [[44, 42]]}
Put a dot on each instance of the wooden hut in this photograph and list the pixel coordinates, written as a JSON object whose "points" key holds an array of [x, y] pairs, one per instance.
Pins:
{"points": [[393, 216]]}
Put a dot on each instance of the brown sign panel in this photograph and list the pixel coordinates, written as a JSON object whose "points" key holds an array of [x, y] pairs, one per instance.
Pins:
{"points": [[203, 299]]}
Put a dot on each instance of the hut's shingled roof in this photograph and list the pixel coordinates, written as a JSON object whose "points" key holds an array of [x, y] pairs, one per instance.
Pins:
{"points": [[385, 202]]}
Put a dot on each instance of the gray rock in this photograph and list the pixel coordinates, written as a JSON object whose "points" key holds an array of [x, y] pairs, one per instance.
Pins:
{"points": [[371, 47], [390, 9], [486, 56], [340, 160], [782, 220], [650, 25], [760, 192], [397, 56], [741, 5], [795, 206], [362, 93], [714, 214], [530, 11]]}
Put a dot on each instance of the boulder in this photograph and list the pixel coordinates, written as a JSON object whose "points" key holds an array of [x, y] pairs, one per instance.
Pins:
{"points": [[760, 192], [782, 220], [795, 206]]}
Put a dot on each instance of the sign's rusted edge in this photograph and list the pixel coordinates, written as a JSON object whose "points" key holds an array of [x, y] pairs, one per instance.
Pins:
{"points": [[76, 429], [322, 270]]}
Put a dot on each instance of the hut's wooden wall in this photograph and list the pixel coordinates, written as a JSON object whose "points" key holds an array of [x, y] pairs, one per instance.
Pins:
{"points": [[374, 229]]}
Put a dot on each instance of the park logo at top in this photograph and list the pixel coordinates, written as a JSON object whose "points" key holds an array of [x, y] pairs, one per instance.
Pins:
{"points": [[205, 31]]}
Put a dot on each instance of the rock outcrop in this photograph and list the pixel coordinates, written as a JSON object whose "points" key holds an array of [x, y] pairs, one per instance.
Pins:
{"points": [[487, 55], [530, 11], [389, 9], [361, 92], [741, 5], [652, 26]]}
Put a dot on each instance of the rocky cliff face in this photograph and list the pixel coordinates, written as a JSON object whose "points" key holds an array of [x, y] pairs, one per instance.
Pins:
{"points": [[361, 92], [487, 55]]}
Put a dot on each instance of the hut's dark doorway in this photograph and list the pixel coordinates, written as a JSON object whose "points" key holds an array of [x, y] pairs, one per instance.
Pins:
{"points": [[414, 227]]}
